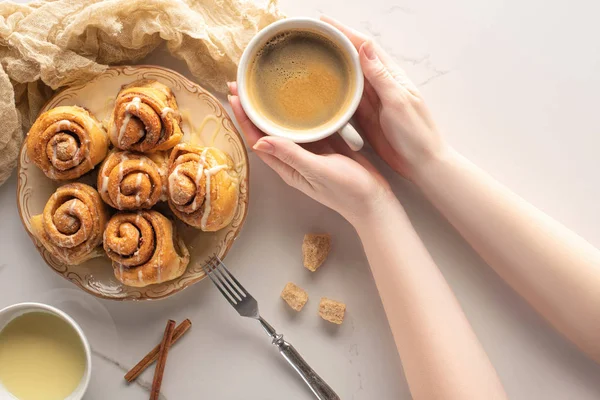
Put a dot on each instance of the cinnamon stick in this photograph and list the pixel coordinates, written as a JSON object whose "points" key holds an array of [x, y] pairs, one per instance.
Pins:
{"points": [[145, 362], [162, 360]]}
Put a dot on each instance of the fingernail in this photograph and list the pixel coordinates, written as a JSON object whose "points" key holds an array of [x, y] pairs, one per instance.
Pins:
{"points": [[230, 85], [229, 98], [264, 146], [369, 50]]}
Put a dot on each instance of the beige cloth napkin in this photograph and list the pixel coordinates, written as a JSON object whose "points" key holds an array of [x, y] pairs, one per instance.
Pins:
{"points": [[50, 44]]}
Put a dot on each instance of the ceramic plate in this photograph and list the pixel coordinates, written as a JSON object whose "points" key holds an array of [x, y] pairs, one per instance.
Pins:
{"points": [[204, 120]]}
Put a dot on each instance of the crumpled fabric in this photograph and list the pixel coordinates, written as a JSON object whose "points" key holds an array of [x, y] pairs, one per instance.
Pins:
{"points": [[46, 45]]}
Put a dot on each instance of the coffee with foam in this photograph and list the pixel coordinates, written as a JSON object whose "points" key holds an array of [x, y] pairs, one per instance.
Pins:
{"points": [[300, 80]]}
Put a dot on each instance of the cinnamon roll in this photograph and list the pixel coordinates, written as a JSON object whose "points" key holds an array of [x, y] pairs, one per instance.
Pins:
{"points": [[72, 223], [130, 181], [66, 142], [202, 186], [145, 248], [145, 118]]}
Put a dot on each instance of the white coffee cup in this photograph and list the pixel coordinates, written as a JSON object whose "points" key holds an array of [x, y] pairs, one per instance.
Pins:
{"points": [[342, 123], [11, 312]]}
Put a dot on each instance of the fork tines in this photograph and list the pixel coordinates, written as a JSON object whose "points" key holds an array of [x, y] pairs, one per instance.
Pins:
{"points": [[233, 291]]}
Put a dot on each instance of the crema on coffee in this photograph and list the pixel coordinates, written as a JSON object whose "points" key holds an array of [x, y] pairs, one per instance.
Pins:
{"points": [[300, 80]]}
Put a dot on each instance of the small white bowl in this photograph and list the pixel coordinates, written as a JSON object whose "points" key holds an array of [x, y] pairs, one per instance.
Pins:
{"points": [[11, 312]]}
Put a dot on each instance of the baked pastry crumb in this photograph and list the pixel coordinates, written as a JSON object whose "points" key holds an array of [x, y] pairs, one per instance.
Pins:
{"points": [[295, 296], [332, 311], [315, 249]]}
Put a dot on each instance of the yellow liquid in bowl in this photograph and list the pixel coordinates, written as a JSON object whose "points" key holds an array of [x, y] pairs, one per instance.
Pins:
{"points": [[41, 357]]}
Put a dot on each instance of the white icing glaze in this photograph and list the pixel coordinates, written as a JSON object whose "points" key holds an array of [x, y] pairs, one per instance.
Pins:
{"points": [[119, 248], [165, 111], [72, 207], [66, 256], [207, 205], [172, 179], [88, 158], [216, 169], [135, 103], [123, 127], [123, 158], [138, 182], [84, 230], [198, 177], [200, 135], [140, 275], [104, 187], [63, 124]]}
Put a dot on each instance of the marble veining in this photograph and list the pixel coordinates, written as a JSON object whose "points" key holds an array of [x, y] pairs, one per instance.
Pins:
{"points": [[514, 86]]}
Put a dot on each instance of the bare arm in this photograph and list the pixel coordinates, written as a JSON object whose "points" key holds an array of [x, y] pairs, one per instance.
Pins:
{"points": [[441, 355], [555, 270], [551, 267]]}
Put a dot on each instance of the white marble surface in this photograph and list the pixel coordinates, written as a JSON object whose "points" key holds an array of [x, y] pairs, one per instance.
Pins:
{"points": [[514, 85]]}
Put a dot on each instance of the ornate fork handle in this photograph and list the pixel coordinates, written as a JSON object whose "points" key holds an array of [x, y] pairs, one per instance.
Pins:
{"points": [[318, 386], [247, 306]]}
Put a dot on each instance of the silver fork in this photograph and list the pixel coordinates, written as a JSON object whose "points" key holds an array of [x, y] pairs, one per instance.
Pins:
{"points": [[247, 306]]}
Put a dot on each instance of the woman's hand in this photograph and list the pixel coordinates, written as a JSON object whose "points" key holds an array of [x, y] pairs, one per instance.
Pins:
{"points": [[392, 114], [330, 172]]}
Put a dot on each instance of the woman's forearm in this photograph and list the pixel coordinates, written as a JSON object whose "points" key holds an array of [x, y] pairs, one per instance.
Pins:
{"points": [[555, 270], [441, 355]]}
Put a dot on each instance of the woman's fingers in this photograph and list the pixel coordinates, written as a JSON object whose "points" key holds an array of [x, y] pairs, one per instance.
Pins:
{"points": [[385, 78], [360, 41], [295, 163], [367, 117], [287, 173], [251, 132], [283, 156], [370, 95], [321, 147], [378, 75], [340, 147], [288, 152], [232, 88]]}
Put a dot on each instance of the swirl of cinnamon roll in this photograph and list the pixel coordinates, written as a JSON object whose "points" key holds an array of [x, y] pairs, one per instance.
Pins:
{"points": [[72, 223], [145, 248], [145, 118], [202, 186], [130, 181], [66, 142]]}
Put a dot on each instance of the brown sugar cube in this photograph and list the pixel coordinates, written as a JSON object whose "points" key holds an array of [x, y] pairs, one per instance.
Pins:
{"points": [[331, 310], [315, 249], [295, 296]]}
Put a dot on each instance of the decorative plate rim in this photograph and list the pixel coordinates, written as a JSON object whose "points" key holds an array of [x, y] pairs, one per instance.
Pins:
{"points": [[228, 245]]}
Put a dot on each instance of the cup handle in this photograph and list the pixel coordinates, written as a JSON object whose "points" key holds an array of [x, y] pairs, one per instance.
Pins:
{"points": [[351, 137]]}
